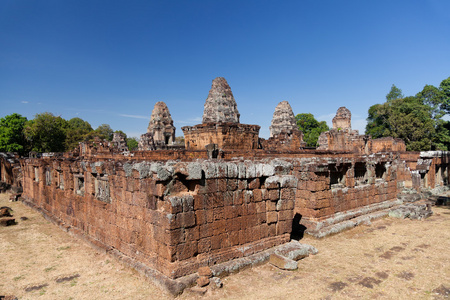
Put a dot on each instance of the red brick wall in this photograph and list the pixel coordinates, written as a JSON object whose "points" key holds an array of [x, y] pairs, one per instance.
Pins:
{"points": [[175, 216]]}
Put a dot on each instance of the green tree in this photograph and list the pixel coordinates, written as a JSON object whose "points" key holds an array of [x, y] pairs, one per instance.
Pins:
{"points": [[311, 128], [410, 120], [132, 143], [444, 87], [394, 93], [12, 138], [46, 133], [417, 120], [105, 132], [77, 131]]}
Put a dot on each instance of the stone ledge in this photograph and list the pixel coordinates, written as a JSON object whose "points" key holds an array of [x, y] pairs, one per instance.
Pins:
{"points": [[315, 226]]}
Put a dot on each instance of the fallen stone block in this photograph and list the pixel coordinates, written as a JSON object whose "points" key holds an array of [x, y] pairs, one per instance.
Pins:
{"points": [[7, 221], [412, 211], [5, 211], [295, 250], [215, 282], [205, 271], [197, 290], [282, 262], [202, 281]]}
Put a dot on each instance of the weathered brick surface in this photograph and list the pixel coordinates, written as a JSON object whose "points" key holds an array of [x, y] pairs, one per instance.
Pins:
{"points": [[176, 216]]}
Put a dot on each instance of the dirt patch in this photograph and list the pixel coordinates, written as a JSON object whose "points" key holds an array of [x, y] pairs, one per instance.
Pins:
{"points": [[354, 278], [66, 278], [35, 252], [369, 282], [337, 286], [442, 290], [387, 255], [407, 257], [382, 275], [406, 275], [35, 287], [423, 246], [397, 249]]}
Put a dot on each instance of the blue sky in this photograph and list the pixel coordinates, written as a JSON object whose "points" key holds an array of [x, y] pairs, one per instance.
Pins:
{"points": [[111, 61]]}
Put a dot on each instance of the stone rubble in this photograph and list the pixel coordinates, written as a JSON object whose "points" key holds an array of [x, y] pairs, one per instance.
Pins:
{"points": [[412, 211]]}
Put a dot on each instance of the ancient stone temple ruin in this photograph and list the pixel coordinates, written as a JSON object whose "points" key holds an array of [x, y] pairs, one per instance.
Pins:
{"points": [[160, 131], [284, 133], [119, 141], [169, 212], [221, 123], [342, 138]]}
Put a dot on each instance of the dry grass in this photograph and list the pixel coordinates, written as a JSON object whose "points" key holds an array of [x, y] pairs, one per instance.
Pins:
{"points": [[390, 259]]}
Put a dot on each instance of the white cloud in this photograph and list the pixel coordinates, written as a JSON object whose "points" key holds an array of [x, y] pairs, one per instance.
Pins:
{"points": [[134, 116], [191, 121], [25, 102]]}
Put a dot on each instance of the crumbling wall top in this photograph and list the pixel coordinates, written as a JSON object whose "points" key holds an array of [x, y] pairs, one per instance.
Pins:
{"points": [[220, 105]]}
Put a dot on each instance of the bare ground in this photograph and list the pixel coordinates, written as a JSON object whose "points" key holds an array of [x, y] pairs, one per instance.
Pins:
{"points": [[389, 259]]}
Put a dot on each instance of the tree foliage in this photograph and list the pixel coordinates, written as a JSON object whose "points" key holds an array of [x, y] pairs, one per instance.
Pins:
{"points": [[12, 138], [46, 133], [132, 143], [415, 119], [104, 132], [394, 93], [311, 128], [77, 131]]}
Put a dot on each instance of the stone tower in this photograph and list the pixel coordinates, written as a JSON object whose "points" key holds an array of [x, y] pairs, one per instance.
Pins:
{"points": [[161, 125], [220, 106], [343, 119], [283, 119], [220, 128]]}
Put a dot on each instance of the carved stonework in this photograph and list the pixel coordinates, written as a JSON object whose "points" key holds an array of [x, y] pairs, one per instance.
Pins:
{"points": [[146, 142], [119, 142], [343, 119], [161, 125], [342, 138], [283, 119], [220, 105], [221, 123]]}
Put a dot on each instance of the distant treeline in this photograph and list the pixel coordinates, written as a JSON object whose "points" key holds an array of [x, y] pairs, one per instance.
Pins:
{"points": [[49, 133]]}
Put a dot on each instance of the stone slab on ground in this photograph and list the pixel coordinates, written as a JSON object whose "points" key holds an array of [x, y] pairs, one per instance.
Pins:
{"points": [[412, 211], [283, 262], [295, 250]]}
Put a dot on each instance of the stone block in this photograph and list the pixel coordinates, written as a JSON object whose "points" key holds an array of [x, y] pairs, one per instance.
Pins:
{"points": [[232, 170], [232, 184], [287, 194], [285, 215], [254, 184], [285, 204], [204, 245], [274, 195], [205, 271], [282, 262], [271, 205], [272, 217], [7, 221]]}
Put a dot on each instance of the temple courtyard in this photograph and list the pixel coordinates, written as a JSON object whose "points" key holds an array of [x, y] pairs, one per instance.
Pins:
{"points": [[386, 259]]}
